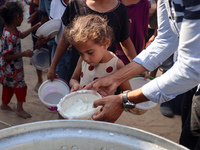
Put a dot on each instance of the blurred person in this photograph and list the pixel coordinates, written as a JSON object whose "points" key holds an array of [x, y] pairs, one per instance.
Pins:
{"points": [[44, 10], [138, 17], [12, 72], [57, 9]]}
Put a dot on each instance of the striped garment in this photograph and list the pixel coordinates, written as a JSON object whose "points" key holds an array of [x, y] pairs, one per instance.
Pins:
{"points": [[178, 30], [179, 9]]}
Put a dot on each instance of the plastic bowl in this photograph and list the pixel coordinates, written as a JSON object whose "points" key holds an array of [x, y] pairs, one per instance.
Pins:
{"points": [[50, 93], [51, 27], [41, 59], [140, 108], [78, 105]]}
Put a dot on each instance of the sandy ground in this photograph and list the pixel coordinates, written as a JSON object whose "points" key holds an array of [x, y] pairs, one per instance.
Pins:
{"points": [[152, 121]]}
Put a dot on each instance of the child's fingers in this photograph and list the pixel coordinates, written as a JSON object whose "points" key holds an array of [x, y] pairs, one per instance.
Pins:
{"points": [[74, 88]]}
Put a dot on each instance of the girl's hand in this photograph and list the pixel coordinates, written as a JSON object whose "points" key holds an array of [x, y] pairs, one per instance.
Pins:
{"points": [[28, 53], [76, 87]]}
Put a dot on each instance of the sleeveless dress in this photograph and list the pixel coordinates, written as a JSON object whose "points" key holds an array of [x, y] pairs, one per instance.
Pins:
{"points": [[90, 73]]}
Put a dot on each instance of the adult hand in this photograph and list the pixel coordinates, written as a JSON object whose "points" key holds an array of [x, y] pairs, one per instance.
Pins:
{"points": [[111, 108], [32, 17], [42, 41], [146, 75], [103, 86]]}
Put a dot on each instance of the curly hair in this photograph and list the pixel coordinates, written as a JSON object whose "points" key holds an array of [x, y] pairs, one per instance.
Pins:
{"points": [[93, 27], [10, 10]]}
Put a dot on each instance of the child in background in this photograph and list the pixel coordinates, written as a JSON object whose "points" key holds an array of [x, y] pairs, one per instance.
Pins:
{"points": [[44, 11], [56, 11], [138, 15], [117, 16], [34, 19], [11, 64], [92, 36]]}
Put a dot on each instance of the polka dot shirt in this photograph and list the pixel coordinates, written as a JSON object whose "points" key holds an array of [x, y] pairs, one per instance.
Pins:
{"points": [[90, 73]]}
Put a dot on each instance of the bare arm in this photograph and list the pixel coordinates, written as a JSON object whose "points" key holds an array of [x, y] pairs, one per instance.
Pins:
{"points": [[143, 45], [75, 79], [125, 85], [10, 56], [108, 84], [60, 50], [44, 18], [151, 39], [129, 49], [33, 15], [27, 32]]}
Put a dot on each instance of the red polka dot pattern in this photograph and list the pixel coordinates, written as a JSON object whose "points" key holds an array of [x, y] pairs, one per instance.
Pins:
{"points": [[90, 68], [95, 78], [109, 69], [81, 74]]}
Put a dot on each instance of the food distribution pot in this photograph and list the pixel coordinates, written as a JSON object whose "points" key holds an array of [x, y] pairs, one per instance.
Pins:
{"points": [[81, 135]]}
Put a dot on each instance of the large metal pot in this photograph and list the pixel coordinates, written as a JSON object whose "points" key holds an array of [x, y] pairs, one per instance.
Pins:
{"points": [[81, 135]]}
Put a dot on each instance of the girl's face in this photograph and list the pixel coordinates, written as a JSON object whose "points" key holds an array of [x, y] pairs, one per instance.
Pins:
{"points": [[19, 19], [92, 53]]}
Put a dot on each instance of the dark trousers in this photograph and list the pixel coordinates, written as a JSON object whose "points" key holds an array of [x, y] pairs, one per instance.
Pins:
{"points": [[188, 139]]}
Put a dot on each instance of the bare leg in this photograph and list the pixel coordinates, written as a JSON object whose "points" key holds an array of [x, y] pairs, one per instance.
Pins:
{"points": [[40, 80], [6, 107], [21, 112]]}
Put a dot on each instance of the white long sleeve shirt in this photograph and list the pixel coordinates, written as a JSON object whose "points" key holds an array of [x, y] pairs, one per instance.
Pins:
{"points": [[178, 29], [57, 9]]}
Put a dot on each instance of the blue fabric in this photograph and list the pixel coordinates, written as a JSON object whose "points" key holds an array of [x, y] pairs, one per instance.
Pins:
{"points": [[44, 6], [63, 67]]}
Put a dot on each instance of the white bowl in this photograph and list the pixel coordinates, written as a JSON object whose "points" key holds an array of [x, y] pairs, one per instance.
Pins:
{"points": [[41, 59], [51, 27], [50, 93], [140, 108], [78, 105]]}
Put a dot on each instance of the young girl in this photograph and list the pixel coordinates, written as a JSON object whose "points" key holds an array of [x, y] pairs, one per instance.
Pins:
{"points": [[117, 17], [92, 36], [11, 64]]}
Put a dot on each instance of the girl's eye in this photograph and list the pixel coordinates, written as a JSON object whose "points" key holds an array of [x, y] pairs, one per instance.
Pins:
{"points": [[90, 53]]}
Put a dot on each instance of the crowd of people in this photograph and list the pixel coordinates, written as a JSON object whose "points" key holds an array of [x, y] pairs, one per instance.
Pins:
{"points": [[104, 43]]}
